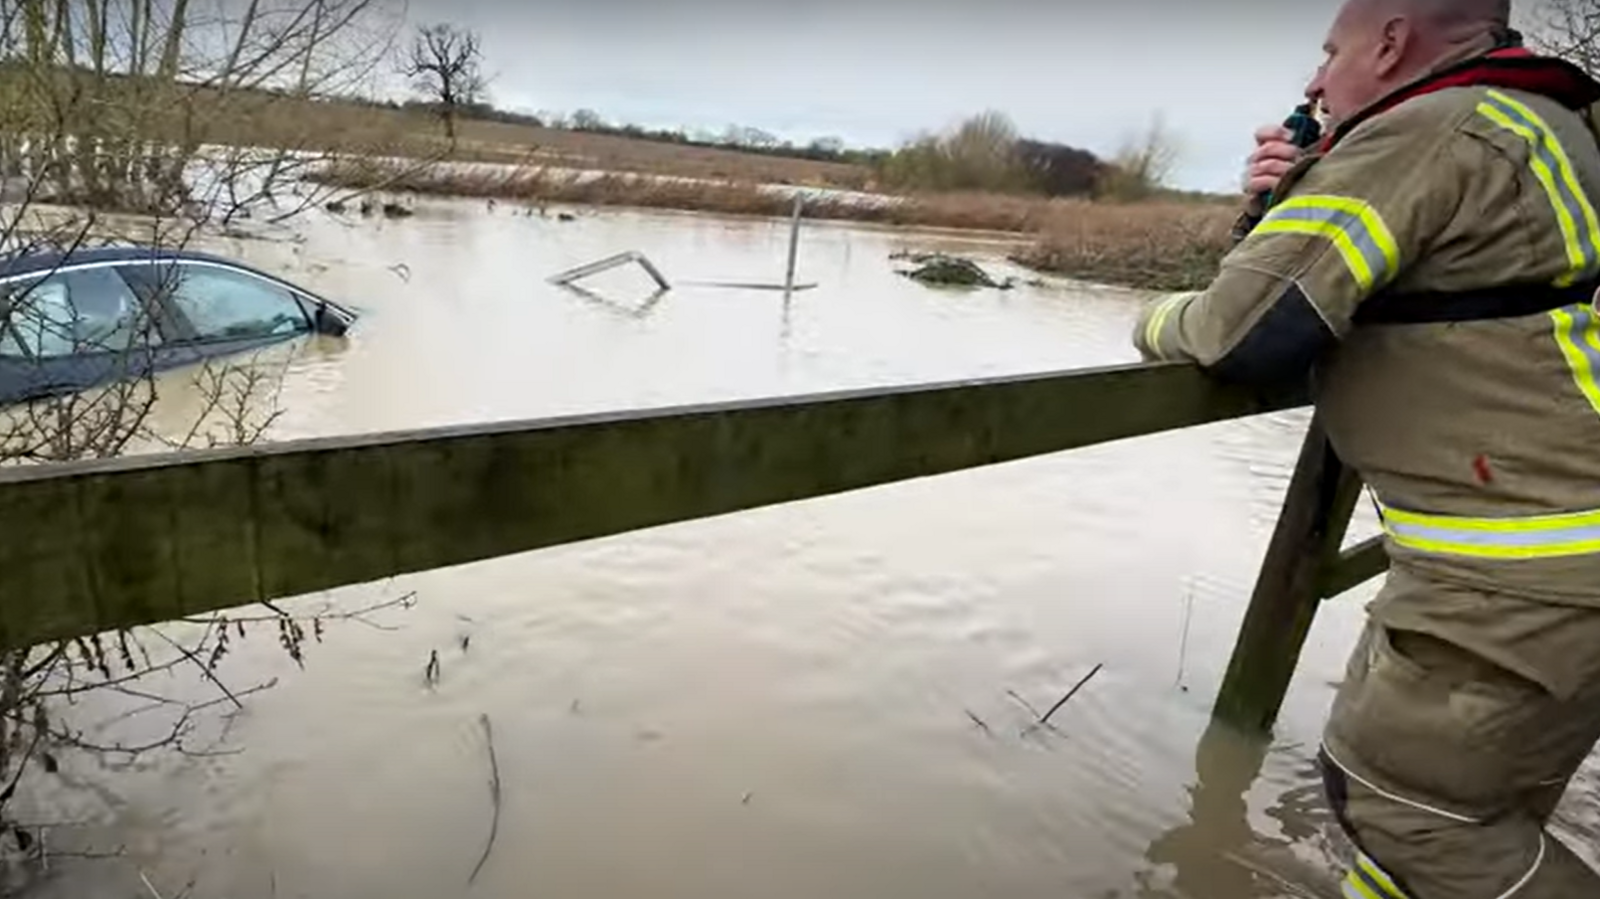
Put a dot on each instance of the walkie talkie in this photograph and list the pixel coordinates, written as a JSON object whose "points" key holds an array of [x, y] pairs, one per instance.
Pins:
{"points": [[1305, 131]]}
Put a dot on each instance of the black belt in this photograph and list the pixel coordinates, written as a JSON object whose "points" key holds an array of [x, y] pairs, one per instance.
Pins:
{"points": [[1508, 301]]}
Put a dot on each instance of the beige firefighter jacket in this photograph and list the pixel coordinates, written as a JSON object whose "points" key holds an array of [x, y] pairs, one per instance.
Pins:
{"points": [[1479, 440]]}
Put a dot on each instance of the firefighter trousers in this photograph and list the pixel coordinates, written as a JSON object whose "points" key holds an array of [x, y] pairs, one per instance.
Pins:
{"points": [[1444, 766]]}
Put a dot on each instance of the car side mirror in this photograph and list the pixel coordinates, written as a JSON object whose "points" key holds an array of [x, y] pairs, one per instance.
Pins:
{"points": [[329, 322]]}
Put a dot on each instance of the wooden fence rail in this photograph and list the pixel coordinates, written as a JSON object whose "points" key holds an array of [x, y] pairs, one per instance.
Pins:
{"points": [[92, 546]]}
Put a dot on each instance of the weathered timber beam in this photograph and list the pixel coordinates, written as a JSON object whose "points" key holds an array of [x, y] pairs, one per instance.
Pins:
{"points": [[119, 542], [1356, 565], [1305, 544]]}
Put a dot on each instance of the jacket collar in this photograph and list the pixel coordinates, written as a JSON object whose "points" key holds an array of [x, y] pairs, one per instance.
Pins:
{"points": [[1512, 67]]}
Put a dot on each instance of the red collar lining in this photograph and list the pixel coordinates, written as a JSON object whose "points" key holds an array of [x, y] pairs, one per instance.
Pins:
{"points": [[1513, 68]]}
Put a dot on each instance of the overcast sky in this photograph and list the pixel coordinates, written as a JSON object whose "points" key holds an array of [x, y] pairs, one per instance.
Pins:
{"points": [[876, 72]]}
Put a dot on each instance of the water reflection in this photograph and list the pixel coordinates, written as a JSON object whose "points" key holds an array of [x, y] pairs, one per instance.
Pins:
{"points": [[637, 310], [1218, 853]]}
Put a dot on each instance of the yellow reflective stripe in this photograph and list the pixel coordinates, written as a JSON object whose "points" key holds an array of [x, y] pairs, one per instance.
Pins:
{"points": [[1575, 330], [1379, 877], [1528, 537], [1495, 525], [1503, 553], [1569, 176], [1158, 320], [1541, 171], [1356, 888], [1575, 215], [1363, 239]]}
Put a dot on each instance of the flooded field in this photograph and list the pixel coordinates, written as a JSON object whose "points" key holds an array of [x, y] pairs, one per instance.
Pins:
{"points": [[820, 699]]}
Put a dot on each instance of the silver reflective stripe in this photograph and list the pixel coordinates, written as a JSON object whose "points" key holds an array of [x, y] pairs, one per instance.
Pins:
{"points": [[1353, 227], [1549, 537], [1547, 152], [1575, 335]]}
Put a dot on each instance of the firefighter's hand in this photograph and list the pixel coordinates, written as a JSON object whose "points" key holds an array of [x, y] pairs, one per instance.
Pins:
{"points": [[1275, 154]]}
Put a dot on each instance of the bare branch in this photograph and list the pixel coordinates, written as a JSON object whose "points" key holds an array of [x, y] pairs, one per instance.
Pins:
{"points": [[1569, 29], [189, 654]]}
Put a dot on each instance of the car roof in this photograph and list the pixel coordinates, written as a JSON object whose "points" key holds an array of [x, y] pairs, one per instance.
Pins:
{"points": [[41, 262]]}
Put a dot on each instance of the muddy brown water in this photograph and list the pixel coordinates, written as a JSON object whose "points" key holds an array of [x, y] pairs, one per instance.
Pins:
{"points": [[778, 703]]}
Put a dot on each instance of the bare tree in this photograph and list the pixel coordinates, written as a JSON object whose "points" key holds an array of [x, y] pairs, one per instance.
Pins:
{"points": [[1569, 29], [979, 153], [1143, 165], [445, 64], [156, 123], [586, 120], [209, 111]]}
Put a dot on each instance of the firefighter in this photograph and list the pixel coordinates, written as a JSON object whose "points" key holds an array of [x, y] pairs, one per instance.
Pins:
{"points": [[1428, 272]]}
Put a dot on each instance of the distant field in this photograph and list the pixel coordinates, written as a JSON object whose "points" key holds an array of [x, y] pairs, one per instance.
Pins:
{"points": [[497, 140], [378, 130], [1165, 244]]}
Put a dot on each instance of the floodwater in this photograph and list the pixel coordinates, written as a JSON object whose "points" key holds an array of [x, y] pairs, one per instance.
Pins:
{"points": [[824, 698]]}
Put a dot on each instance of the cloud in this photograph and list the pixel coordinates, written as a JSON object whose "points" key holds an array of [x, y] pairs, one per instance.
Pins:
{"points": [[880, 72]]}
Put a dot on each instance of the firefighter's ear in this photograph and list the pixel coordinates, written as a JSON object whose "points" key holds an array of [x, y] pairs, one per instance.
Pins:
{"points": [[1395, 39]]}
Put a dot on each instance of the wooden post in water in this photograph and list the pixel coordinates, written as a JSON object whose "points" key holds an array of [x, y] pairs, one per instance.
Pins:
{"points": [[1300, 565], [794, 247]]}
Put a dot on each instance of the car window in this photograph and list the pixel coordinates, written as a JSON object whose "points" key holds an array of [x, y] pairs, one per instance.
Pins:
{"points": [[71, 312], [39, 318], [225, 305]]}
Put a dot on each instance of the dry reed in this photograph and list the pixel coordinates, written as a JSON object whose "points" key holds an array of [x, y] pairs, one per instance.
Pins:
{"points": [[1159, 246]]}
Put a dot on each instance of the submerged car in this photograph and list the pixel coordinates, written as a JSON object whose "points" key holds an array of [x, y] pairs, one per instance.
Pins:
{"points": [[76, 320]]}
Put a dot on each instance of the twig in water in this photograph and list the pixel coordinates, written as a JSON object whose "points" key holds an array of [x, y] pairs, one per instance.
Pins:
{"points": [[1071, 693], [1024, 703], [430, 674], [1183, 643], [149, 886], [1294, 888], [979, 721], [494, 797]]}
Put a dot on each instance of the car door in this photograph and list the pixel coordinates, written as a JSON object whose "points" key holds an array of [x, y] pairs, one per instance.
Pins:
{"points": [[72, 329]]}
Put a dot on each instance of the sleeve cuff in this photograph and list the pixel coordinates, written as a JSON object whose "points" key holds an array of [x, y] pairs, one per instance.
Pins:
{"points": [[1156, 333]]}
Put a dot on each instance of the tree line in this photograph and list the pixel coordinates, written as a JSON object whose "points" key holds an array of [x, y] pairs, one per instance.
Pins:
{"points": [[983, 153]]}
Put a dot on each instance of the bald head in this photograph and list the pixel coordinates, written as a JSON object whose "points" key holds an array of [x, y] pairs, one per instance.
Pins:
{"points": [[1376, 46], [1453, 21]]}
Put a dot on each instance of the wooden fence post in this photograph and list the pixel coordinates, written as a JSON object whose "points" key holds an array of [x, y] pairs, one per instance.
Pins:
{"points": [[1294, 576]]}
